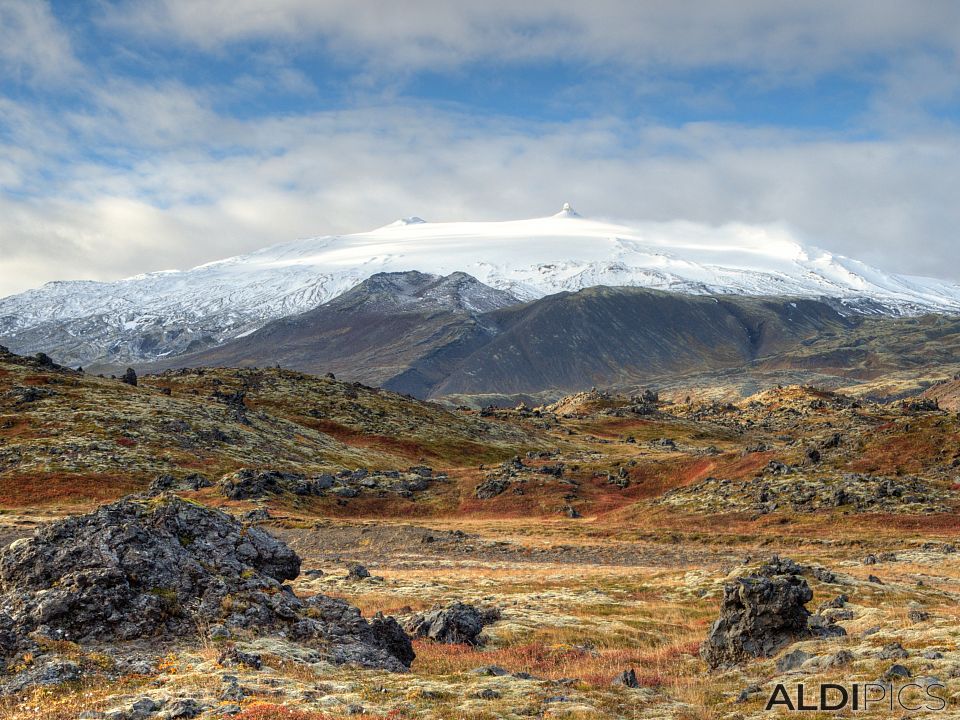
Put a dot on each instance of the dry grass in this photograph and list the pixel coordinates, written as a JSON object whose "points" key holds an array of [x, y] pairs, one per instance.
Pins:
{"points": [[269, 711]]}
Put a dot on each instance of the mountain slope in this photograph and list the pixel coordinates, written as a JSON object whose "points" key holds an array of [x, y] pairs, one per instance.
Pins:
{"points": [[379, 332], [67, 436], [169, 313], [621, 336], [373, 333]]}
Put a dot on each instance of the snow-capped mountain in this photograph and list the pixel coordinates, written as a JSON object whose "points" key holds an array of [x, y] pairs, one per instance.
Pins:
{"points": [[167, 313]]}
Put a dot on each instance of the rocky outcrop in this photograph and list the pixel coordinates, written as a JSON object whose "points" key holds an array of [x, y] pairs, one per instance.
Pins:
{"points": [[168, 483], [782, 488], [761, 613], [249, 484], [514, 474], [455, 623], [491, 487], [163, 567]]}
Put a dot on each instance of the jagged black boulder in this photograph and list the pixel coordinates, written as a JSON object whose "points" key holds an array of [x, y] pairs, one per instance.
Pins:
{"points": [[456, 623], [162, 567], [761, 613]]}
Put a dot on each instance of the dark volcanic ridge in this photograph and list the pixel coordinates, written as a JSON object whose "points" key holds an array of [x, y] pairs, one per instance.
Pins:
{"points": [[431, 338]]}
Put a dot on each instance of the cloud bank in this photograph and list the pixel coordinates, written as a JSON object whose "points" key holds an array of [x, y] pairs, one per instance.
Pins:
{"points": [[146, 136]]}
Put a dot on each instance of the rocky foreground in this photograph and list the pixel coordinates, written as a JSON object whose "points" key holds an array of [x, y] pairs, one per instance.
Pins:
{"points": [[162, 570], [157, 607], [305, 549]]}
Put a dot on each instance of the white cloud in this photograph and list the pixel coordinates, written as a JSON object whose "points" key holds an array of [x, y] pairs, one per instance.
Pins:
{"points": [[888, 202], [772, 35], [33, 45], [148, 176]]}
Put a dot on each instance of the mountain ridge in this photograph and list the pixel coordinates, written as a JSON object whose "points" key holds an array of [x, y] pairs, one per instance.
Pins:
{"points": [[170, 313], [561, 343]]}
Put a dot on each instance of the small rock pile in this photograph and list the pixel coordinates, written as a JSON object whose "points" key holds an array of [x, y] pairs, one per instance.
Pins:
{"points": [[248, 484], [513, 474]]}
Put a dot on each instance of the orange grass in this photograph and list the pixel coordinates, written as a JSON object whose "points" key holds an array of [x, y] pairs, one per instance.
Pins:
{"points": [[19, 491]]}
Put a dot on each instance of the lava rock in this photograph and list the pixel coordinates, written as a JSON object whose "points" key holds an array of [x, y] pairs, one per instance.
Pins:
{"points": [[247, 484], [893, 651], [896, 672], [356, 571], [760, 613], [491, 487], [162, 567], [456, 623], [628, 678], [168, 483], [792, 661]]}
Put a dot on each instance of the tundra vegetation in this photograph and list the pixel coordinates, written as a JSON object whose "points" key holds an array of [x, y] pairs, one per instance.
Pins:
{"points": [[266, 545]]}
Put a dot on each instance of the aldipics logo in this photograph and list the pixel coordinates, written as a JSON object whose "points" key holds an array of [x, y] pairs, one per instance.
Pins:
{"points": [[859, 696]]}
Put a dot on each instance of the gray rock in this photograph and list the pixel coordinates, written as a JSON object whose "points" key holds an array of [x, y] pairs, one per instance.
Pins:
{"points": [[824, 627], [130, 570], [841, 658], [45, 671], [838, 602], [356, 571], [233, 656], [456, 623], [218, 632], [628, 678], [248, 484], [824, 575], [761, 613], [183, 708], [491, 670], [233, 692], [145, 706], [792, 661], [161, 567], [897, 671], [491, 487], [893, 651]]}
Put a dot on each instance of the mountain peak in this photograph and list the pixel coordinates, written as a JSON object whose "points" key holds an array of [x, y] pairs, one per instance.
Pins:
{"points": [[567, 211], [414, 291], [411, 220]]}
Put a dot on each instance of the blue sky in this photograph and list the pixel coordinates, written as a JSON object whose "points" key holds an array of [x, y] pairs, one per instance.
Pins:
{"points": [[144, 135]]}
